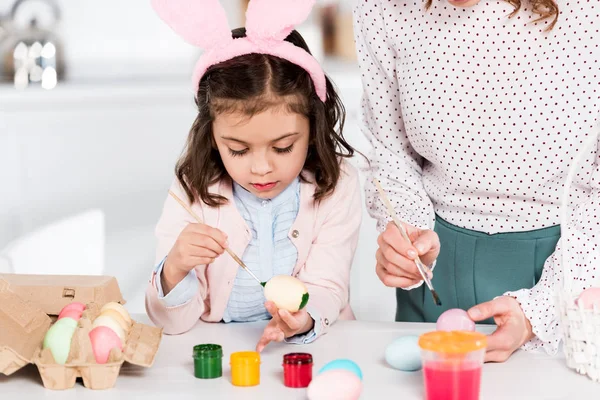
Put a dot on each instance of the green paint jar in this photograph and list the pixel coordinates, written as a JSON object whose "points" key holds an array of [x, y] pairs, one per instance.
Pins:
{"points": [[208, 361]]}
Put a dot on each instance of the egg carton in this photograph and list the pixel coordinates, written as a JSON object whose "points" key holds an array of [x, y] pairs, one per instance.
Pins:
{"points": [[27, 310]]}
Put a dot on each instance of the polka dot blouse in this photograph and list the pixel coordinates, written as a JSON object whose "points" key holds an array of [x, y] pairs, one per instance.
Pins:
{"points": [[477, 117]]}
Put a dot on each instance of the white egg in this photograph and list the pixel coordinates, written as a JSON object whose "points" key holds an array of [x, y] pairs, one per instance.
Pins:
{"points": [[286, 292], [338, 384], [105, 320], [404, 353]]}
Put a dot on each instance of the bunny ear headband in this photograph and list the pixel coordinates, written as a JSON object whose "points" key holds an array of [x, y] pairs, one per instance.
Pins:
{"points": [[203, 23]]}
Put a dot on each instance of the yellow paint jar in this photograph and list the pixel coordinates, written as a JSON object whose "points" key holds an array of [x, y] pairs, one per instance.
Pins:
{"points": [[245, 368]]}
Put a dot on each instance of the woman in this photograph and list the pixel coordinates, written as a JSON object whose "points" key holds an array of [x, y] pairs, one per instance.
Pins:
{"points": [[475, 111]]}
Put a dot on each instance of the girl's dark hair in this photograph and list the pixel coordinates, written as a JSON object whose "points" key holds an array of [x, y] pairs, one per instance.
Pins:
{"points": [[546, 9], [251, 84]]}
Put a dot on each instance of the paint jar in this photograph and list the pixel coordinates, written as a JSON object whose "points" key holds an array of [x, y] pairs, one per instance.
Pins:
{"points": [[297, 370], [452, 364], [208, 361], [245, 368]]}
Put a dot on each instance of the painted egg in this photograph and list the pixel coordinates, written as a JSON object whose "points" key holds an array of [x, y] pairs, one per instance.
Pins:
{"points": [[286, 292], [344, 364], [338, 384], [404, 353], [118, 308], [58, 339], [103, 341], [589, 298], [71, 313], [117, 317], [104, 320], [74, 306], [455, 319]]}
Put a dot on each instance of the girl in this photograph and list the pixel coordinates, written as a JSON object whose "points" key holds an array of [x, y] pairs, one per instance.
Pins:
{"points": [[475, 111], [264, 169]]}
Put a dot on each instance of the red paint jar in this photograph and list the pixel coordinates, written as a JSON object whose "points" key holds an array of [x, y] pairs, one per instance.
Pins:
{"points": [[297, 370]]}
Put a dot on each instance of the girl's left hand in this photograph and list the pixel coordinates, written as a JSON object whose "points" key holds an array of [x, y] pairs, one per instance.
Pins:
{"points": [[283, 325], [513, 330]]}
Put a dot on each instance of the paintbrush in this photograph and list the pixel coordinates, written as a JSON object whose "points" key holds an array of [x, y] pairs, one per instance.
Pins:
{"points": [[227, 249], [423, 270]]}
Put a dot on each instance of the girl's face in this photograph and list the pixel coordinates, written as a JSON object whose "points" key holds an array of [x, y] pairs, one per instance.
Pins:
{"points": [[263, 153], [463, 3]]}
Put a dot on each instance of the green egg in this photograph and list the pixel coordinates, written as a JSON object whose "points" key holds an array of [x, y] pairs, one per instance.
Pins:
{"points": [[58, 339]]}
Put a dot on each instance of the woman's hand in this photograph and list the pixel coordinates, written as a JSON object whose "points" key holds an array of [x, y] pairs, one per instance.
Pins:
{"points": [[513, 331], [395, 257], [284, 325]]}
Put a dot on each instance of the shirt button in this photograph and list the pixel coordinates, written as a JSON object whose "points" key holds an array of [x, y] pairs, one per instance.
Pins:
{"points": [[295, 234], [265, 202], [326, 321]]}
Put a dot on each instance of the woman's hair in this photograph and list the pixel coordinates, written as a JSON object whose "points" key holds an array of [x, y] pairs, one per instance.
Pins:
{"points": [[546, 9], [249, 85]]}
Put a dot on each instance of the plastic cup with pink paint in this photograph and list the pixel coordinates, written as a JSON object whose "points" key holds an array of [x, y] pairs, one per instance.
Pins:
{"points": [[452, 364]]}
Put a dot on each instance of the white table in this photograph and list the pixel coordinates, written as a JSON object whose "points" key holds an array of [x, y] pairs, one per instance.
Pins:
{"points": [[524, 376]]}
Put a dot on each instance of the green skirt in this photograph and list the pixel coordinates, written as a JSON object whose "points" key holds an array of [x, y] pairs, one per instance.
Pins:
{"points": [[474, 267]]}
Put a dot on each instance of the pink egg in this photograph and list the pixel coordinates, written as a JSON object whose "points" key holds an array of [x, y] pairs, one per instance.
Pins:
{"points": [[74, 306], [589, 298], [103, 341], [72, 310], [455, 319], [338, 384], [71, 313]]}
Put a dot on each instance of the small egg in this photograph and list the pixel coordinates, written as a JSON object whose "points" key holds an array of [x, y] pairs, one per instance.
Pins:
{"points": [[70, 313], [117, 317], [113, 305], [455, 319], [58, 339], [589, 297], [286, 292], [404, 353], [103, 341], [74, 306], [345, 364], [338, 384], [105, 320]]}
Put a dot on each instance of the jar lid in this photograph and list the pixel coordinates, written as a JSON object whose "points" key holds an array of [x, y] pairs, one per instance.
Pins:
{"points": [[298, 358], [454, 342], [245, 357], [208, 351]]}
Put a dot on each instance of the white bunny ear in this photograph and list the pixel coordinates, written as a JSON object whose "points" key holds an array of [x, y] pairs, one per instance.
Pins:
{"points": [[275, 19], [202, 23]]}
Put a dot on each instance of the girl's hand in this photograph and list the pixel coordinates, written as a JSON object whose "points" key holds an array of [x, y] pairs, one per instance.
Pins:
{"points": [[513, 330], [197, 244], [284, 325], [395, 256]]}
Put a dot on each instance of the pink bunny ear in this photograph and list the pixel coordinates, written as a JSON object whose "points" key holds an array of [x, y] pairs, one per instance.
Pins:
{"points": [[275, 19], [202, 23]]}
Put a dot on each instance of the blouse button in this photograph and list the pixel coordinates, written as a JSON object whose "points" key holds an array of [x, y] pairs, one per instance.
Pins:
{"points": [[295, 234]]}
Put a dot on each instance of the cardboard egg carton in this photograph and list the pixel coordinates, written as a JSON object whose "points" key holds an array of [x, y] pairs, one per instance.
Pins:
{"points": [[29, 305]]}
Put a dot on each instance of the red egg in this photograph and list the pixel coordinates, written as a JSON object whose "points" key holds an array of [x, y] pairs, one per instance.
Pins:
{"points": [[103, 341]]}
